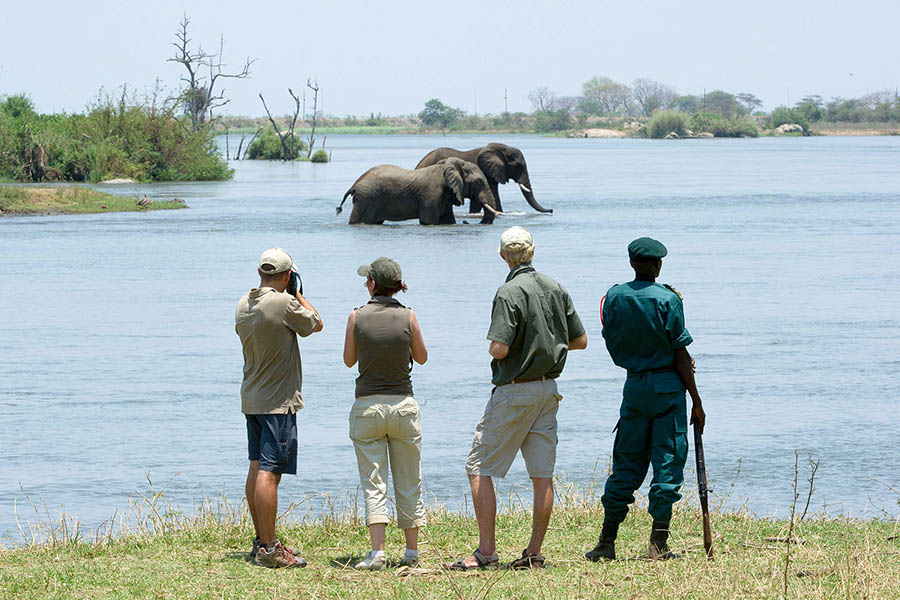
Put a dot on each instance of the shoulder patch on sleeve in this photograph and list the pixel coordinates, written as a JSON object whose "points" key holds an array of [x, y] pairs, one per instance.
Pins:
{"points": [[674, 291]]}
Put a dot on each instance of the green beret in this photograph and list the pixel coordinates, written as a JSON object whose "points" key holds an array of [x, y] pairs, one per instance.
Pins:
{"points": [[646, 249]]}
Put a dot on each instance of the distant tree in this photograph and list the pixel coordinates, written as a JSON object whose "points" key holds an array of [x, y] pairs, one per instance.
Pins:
{"points": [[749, 101], [812, 107], [687, 104], [567, 103], [17, 105], [199, 96], [605, 97], [436, 113], [723, 103], [651, 96], [542, 98]]}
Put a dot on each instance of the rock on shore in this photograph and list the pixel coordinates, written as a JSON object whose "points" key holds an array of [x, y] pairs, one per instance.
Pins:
{"points": [[596, 133]]}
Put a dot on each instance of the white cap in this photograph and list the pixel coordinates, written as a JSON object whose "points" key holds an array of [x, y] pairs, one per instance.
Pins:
{"points": [[516, 239], [274, 261]]}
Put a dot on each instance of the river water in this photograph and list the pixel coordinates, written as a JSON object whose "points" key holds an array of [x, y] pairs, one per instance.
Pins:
{"points": [[120, 360]]}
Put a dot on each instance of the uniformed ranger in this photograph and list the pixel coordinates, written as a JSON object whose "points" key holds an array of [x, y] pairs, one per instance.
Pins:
{"points": [[643, 325]]}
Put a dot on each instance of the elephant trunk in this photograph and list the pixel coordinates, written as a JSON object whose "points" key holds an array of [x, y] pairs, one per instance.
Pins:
{"points": [[525, 186]]}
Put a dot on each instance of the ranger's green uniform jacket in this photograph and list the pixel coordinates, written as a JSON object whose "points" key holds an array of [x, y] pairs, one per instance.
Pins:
{"points": [[643, 326]]}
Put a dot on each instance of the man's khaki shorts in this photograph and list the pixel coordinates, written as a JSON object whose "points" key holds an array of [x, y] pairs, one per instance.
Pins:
{"points": [[518, 416]]}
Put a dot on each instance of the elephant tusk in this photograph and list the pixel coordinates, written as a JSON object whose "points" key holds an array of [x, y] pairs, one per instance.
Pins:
{"points": [[524, 188], [493, 210]]}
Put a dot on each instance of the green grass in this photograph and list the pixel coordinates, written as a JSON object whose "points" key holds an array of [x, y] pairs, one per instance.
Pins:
{"points": [[165, 553], [22, 200]]}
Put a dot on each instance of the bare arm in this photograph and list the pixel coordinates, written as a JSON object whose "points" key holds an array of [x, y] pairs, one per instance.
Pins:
{"points": [[498, 350], [305, 303], [685, 366], [416, 343], [350, 354], [579, 343]]}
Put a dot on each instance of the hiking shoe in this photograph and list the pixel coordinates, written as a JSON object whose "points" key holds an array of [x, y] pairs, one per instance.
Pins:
{"points": [[604, 550], [409, 561], [527, 561], [257, 543], [278, 557], [371, 562]]}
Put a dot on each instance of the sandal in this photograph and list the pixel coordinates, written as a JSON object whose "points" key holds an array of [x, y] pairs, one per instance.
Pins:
{"points": [[483, 562], [527, 561]]}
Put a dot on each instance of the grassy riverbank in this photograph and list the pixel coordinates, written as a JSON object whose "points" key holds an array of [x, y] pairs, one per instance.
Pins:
{"points": [[21, 200], [204, 555]]}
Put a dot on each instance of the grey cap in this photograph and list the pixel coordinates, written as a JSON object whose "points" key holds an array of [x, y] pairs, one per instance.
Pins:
{"points": [[383, 271]]}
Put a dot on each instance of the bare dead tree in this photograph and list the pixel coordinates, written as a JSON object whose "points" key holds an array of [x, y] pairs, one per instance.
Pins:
{"points": [[200, 97], [284, 148], [312, 134], [255, 135], [288, 138]]}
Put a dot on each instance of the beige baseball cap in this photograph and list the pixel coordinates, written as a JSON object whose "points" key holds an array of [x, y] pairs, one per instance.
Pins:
{"points": [[516, 239], [274, 261]]}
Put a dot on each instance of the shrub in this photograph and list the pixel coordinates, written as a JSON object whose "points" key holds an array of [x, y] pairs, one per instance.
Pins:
{"points": [[552, 120], [116, 138], [319, 156], [783, 114], [742, 126], [268, 147], [664, 122]]}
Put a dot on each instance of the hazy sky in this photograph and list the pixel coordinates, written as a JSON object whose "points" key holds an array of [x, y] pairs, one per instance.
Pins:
{"points": [[391, 57]]}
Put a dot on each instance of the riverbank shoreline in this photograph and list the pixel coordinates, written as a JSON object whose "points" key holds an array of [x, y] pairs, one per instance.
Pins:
{"points": [[173, 554], [23, 201]]}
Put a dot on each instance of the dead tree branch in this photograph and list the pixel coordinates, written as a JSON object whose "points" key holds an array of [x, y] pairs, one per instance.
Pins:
{"points": [[312, 134]]}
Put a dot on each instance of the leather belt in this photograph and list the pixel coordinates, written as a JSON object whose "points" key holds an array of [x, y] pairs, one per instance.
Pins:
{"points": [[529, 380]]}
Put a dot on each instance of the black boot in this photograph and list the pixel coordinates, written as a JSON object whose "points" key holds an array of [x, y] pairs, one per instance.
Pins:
{"points": [[606, 545], [658, 549]]}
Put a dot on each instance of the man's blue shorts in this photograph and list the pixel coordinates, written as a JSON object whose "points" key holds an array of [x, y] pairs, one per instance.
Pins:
{"points": [[272, 440]]}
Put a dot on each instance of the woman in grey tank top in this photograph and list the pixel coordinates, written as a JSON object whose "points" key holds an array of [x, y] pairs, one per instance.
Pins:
{"points": [[383, 337]]}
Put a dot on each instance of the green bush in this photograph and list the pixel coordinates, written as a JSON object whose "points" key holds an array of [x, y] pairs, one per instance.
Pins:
{"points": [[319, 156], [268, 147], [666, 121], [719, 126], [552, 120], [783, 114], [115, 138]]}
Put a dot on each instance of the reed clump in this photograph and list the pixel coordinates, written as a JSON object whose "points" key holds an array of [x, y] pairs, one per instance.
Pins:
{"points": [[157, 550]]}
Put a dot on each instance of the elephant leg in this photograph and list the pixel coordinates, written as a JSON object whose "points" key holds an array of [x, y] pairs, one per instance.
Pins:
{"points": [[495, 190], [447, 218], [488, 218], [354, 214]]}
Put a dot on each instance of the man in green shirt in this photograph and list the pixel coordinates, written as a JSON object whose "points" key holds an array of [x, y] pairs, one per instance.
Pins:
{"points": [[533, 326], [643, 325]]}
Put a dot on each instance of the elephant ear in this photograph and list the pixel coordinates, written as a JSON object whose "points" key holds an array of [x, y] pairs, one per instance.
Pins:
{"points": [[492, 164], [453, 180]]}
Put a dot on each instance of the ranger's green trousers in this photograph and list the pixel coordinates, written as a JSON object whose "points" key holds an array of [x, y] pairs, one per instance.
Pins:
{"points": [[652, 429]]}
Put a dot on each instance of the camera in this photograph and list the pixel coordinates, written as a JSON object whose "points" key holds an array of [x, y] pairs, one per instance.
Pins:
{"points": [[295, 284]]}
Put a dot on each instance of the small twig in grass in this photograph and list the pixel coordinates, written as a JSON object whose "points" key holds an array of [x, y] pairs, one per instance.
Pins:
{"points": [[787, 553], [813, 467]]}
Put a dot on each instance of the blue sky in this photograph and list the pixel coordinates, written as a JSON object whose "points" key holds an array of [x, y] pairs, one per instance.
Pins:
{"points": [[391, 57]]}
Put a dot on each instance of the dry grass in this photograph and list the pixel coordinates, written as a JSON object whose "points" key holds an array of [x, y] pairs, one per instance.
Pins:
{"points": [[159, 551]]}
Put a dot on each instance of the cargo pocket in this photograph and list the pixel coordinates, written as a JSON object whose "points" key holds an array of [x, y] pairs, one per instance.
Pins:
{"points": [[408, 420], [363, 423]]}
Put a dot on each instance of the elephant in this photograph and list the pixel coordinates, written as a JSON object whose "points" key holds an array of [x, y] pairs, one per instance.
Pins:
{"points": [[499, 163], [391, 193]]}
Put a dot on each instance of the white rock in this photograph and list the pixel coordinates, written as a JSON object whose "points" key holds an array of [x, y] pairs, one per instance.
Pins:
{"points": [[119, 180], [789, 128]]}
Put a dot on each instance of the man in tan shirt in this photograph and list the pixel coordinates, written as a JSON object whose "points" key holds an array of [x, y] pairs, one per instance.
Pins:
{"points": [[268, 320]]}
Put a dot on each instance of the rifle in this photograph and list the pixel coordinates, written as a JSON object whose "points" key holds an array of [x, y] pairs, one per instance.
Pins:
{"points": [[703, 491]]}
